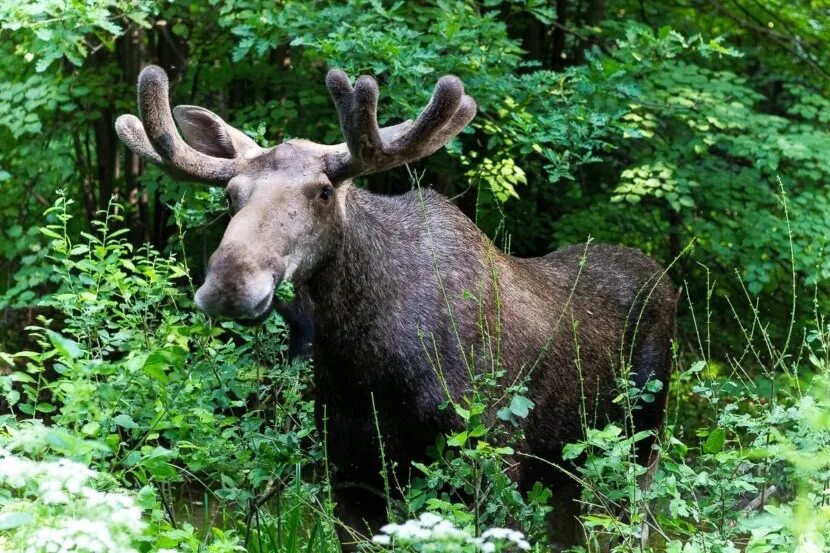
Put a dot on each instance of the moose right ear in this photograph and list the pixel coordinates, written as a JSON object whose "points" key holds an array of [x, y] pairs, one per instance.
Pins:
{"points": [[208, 133]]}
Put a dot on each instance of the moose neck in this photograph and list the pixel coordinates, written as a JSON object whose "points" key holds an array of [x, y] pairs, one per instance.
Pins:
{"points": [[359, 276], [399, 263]]}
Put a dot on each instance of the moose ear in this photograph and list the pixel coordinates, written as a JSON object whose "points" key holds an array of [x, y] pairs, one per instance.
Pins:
{"points": [[208, 133]]}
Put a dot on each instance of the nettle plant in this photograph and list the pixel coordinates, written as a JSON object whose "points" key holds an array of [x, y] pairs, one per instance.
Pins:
{"points": [[211, 417], [751, 477]]}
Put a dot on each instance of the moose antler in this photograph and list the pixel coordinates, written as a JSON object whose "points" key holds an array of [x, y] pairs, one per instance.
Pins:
{"points": [[214, 152], [155, 138], [370, 149]]}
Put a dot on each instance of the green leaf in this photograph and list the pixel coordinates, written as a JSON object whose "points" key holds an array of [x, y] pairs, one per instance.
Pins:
{"points": [[160, 468], [714, 443], [422, 467], [124, 421], [457, 440], [505, 414], [285, 291], [520, 406], [91, 428], [572, 451], [478, 431], [154, 366], [66, 347]]}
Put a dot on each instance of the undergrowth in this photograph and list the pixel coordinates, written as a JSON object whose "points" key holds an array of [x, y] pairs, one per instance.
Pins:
{"points": [[207, 431]]}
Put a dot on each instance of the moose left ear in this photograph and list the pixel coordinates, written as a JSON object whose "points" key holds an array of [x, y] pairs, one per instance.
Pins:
{"points": [[208, 133]]}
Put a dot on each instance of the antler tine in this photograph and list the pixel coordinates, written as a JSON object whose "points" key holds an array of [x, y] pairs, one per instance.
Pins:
{"points": [[372, 149], [357, 109], [156, 139], [442, 106], [129, 129]]}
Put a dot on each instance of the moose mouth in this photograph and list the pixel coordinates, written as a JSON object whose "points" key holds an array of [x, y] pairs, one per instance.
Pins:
{"points": [[214, 304], [264, 308]]}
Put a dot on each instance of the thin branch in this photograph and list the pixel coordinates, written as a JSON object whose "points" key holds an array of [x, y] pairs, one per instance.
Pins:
{"points": [[780, 39]]}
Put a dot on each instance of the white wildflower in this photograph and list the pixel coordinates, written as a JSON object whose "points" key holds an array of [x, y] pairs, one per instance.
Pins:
{"points": [[15, 471], [51, 492], [380, 540], [389, 528], [431, 529], [445, 529], [56, 494], [496, 533], [505, 534], [808, 544], [430, 519]]}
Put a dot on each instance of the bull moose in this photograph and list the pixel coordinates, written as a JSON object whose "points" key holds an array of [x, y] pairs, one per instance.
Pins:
{"points": [[387, 283]]}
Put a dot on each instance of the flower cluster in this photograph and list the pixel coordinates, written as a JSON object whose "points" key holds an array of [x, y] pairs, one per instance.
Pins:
{"points": [[56, 481], [78, 534], [431, 533], [50, 506]]}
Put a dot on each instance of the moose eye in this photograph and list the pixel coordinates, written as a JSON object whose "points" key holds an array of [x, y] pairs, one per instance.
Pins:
{"points": [[326, 193]]}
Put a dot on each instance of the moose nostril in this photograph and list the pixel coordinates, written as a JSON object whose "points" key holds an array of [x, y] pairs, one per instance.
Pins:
{"points": [[245, 299]]}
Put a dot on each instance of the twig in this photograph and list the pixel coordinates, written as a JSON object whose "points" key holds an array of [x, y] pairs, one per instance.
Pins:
{"points": [[778, 38], [760, 500]]}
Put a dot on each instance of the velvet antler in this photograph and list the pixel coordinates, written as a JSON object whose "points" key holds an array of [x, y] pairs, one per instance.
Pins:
{"points": [[369, 149], [214, 152], [155, 138]]}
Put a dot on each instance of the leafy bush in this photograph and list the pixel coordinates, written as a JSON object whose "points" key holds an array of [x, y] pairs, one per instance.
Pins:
{"points": [[212, 414]]}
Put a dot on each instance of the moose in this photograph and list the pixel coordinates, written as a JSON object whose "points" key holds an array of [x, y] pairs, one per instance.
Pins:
{"points": [[404, 291]]}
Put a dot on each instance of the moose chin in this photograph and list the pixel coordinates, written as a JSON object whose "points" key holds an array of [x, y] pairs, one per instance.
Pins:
{"points": [[385, 284]]}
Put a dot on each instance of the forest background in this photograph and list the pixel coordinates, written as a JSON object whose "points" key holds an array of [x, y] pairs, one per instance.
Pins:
{"points": [[696, 130]]}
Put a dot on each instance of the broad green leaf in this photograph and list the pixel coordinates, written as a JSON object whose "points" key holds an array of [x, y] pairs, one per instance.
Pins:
{"points": [[457, 440], [68, 349], [124, 421], [714, 443], [520, 406]]}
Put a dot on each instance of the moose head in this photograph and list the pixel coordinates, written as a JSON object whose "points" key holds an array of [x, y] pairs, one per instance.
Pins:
{"points": [[286, 201]]}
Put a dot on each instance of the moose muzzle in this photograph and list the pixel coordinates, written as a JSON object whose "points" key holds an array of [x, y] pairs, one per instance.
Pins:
{"points": [[237, 287]]}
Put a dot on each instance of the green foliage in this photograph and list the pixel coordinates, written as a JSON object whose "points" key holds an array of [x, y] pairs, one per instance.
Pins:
{"points": [[50, 32], [647, 124], [758, 485], [650, 132], [752, 477], [214, 433], [175, 403]]}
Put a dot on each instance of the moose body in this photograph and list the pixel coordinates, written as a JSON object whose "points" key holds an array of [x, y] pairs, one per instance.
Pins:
{"points": [[411, 277], [407, 296]]}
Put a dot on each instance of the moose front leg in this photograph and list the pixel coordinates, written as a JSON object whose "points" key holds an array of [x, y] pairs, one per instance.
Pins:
{"points": [[354, 461], [564, 528], [361, 512]]}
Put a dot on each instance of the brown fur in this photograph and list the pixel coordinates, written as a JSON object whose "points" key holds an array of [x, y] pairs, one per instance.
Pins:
{"points": [[384, 289], [391, 288]]}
